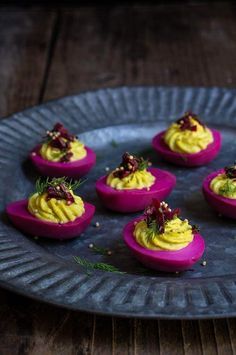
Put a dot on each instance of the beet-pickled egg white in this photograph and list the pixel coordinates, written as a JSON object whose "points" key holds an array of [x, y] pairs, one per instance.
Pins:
{"points": [[53, 211], [161, 240], [219, 189], [62, 154], [188, 142], [133, 185]]}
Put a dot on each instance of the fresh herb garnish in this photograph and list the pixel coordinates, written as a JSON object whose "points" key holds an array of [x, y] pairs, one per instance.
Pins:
{"points": [[230, 171], [152, 230], [228, 189], [90, 266], [41, 185], [99, 250], [143, 164], [113, 143], [130, 164], [156, 216], [58, 188]]}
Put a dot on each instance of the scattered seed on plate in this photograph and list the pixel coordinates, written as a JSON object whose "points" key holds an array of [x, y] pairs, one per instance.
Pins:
{"points": [[109, 252], [107, 168], [97, 224], [204, 263], [91, 245]]}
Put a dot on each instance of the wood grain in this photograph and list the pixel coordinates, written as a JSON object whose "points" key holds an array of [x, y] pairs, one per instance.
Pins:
{"points": [[50, 53], [24, 41], [173, 45], [207, 335], [147, 337], [232, 333], [171, 337], [191, 338], [222, 336], [102, 336], [122, 336]]}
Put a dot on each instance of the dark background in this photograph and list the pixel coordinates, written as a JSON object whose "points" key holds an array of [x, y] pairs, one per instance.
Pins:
{"points": [[52, 49]]}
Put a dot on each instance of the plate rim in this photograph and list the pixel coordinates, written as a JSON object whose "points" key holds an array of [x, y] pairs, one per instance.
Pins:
{"points": [[222, 313]]}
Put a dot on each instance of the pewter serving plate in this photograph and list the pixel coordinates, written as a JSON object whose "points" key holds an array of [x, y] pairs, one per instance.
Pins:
{"points": [[112, 121]]}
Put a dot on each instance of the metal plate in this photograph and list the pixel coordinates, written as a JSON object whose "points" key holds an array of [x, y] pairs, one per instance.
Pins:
{"points": [[45, 270]]}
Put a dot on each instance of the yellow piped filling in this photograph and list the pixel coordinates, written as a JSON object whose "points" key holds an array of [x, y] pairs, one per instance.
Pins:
{"points": [[187, 141], [53, 210], [138, 180], [224, 186], [177, 235], [50, 153]]}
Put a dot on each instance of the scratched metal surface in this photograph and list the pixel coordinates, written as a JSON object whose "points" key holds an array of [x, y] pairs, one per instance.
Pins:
{"points": [[111, 122]]}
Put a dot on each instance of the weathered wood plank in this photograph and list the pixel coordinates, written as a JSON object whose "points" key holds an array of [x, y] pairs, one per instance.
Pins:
{"points": [[102, 336], [171, 337], [87, 48], [232, 333], [41, 329], [173, 45], [24, 40], [222, 336], [191, 338], [122, 336], [146, 337], [207, 334]]}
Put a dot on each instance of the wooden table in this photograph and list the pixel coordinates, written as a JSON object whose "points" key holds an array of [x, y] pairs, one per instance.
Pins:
{"points": [[51, 52]]}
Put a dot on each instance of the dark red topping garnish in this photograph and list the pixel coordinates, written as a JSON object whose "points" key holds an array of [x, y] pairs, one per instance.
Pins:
{"points": [[195, 228], [158, 213], [59, 143], [66, 157], [60, 192], [230, 171], [60, 138], [63, 132], [185, 122], [130, 164]]}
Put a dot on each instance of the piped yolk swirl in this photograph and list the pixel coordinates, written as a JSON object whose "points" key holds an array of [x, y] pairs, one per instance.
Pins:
{"points": [[139, 179], [187, 141], [177, 235], [224, 186], [50, 153], [53, 210]]}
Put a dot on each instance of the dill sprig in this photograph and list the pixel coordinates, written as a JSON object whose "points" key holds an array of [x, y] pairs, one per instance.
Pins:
{"points": [[113, 143], [89, 266], [99, 250], [227, 189], [42, 185], [152, 230], [143, 164]]}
